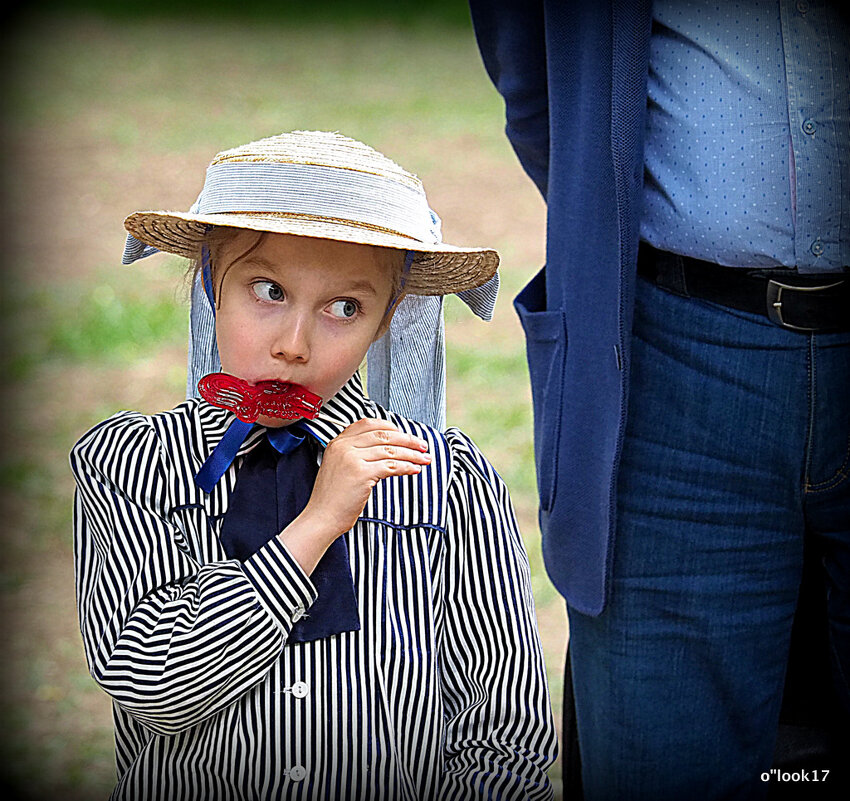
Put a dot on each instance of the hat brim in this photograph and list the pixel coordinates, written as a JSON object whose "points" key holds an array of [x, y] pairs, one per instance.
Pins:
{"points": [[436, 269]]}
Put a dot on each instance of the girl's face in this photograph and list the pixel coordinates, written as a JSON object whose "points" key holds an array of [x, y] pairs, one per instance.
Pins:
{"points": [[298, 309]]}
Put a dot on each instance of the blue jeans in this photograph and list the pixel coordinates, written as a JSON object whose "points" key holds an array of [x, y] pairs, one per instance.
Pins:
{"points": [[737, 448]]}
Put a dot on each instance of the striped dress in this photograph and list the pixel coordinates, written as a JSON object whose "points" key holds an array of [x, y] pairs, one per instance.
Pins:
{"points": [[441, 693]]}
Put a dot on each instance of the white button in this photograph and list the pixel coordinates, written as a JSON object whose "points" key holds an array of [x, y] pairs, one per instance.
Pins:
{"points": [[297, 614], [809, 127], [297, 773], [300, 689]]}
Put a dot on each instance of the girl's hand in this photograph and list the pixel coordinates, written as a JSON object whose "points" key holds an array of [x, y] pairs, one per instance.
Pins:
{"points": [[353, 463]]}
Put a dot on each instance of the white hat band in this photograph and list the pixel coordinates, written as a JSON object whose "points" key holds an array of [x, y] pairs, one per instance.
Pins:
{"points": [[318, 191]]}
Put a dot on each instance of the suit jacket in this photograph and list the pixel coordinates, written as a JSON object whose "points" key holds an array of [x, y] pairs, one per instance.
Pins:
{"points": [[573, 76]]}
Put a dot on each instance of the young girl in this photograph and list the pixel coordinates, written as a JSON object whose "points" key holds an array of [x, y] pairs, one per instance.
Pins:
{"points": [[287, 590]]}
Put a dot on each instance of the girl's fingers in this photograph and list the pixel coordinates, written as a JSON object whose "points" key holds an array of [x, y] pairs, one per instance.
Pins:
{"points": [[392, 467], [390, 452], [368, 432], [389, 439]]}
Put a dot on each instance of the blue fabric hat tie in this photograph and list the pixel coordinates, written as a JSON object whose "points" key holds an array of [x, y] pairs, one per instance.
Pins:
{"points": [[222, 455], [206, 276]]}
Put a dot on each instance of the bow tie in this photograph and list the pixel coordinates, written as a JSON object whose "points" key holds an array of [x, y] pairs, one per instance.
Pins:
{"points": [[273, 485], [283, 440]]}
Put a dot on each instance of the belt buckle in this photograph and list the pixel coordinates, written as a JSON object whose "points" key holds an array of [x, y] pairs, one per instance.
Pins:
{"points": [[774, 302]]}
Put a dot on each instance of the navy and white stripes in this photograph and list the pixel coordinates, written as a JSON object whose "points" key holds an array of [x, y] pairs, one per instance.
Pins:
{"points": [[441, 694]]}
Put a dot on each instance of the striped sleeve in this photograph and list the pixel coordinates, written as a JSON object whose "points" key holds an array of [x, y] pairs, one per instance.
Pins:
{"points": [[172, 640], [500, 736]]}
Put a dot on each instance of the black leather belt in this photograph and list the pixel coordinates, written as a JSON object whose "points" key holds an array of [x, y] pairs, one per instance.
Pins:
{"points": [[799, 302]]}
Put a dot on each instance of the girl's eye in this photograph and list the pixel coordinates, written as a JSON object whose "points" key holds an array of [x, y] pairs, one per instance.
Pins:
{"points": [[268, 290], [344, 309]]}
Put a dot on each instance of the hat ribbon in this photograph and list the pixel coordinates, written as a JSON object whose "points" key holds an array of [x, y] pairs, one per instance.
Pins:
{"points": [[317, 192]]}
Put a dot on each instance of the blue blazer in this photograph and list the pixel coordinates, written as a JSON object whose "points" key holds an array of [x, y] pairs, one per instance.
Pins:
{"points": [[573, 77]]}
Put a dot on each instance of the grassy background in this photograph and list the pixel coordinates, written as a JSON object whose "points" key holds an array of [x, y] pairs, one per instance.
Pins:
{"points": [[108, 111]]}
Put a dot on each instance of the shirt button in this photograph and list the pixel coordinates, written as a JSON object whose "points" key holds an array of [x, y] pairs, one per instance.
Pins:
{"points": [[297, 614], [809, 127], [297, 773], [817, 247], [802, 6], [300, 689]]}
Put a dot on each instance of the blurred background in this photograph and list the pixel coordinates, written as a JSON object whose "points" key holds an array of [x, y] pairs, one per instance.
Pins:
{"points": [[109, 107]]}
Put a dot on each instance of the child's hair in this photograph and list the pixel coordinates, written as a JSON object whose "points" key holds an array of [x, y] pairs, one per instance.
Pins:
{"points": [[219, 236]]}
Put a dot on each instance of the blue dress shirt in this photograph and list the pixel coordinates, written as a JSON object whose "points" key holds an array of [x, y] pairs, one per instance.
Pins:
{"points": [[748, 133]]}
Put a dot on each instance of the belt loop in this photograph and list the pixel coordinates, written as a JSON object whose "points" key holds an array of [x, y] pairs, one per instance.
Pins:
{"points": [[680, 275], [671, 272]]}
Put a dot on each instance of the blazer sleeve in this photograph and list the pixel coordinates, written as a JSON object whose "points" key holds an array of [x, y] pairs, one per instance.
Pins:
{"points": [[172, 640], [511, 37], [500, 736]]}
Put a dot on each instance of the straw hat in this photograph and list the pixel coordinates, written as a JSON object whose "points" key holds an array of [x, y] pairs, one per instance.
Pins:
{"points": [[317, 184]]}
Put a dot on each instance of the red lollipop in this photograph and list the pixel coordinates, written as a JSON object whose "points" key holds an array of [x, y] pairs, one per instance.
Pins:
{"points": [[269, 398]]}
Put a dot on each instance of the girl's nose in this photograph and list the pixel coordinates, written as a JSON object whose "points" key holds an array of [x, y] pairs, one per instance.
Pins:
{"points": [[292, 340]]}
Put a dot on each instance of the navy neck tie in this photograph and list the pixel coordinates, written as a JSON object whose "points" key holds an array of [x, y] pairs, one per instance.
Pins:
{"points": [[272, 488]]}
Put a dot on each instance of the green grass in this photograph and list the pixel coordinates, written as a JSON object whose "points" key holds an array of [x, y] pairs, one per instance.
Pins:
{"points": [[185, 84], [87, 323]]}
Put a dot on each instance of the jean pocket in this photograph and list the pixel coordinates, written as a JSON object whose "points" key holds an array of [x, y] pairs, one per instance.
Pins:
{"points": [[546, 347]]}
